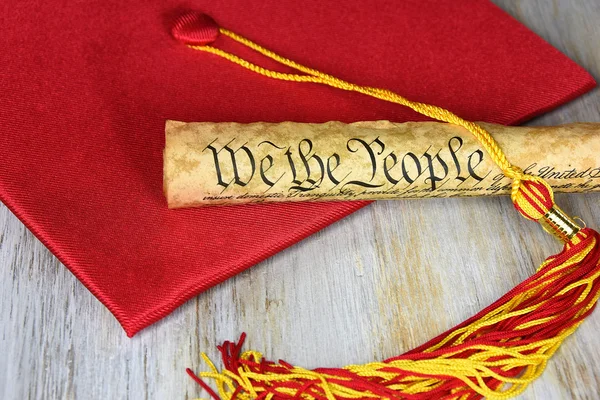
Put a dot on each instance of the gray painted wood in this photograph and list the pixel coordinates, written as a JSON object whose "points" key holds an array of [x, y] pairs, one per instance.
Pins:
{"points": [[395, 277]]}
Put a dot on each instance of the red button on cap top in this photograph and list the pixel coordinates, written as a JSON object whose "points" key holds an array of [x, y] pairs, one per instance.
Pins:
{"points": [[195, 28]]}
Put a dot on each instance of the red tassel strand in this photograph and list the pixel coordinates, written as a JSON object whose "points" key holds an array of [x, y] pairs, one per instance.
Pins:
{"points": [[560, 295]]}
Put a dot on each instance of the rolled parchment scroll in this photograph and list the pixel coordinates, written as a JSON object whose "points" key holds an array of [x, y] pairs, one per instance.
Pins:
{"points": [[231, 163]]}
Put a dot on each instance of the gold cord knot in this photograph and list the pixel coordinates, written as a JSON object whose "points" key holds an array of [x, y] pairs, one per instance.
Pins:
{"points": [[532, 196], [514, 172]]}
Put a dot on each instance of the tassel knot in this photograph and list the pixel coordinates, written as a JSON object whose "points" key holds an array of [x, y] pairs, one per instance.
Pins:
{"points": [[532, 197]]}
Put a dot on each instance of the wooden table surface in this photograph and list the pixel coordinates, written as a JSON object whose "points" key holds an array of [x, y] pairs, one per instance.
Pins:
{"points": [[374, 285]]}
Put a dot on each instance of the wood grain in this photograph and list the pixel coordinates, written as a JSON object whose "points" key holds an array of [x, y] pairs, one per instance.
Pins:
{"points": [[395, 276]]}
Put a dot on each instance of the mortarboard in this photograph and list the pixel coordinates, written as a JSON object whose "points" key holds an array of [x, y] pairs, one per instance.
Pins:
{"points": [[86, 91]]}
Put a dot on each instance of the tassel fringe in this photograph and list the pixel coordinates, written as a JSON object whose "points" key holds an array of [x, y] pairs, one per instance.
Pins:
{"points": [[495, 354]]}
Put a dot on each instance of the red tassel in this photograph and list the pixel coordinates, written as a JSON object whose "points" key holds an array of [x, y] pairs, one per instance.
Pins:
{"points": [[532, 320]]}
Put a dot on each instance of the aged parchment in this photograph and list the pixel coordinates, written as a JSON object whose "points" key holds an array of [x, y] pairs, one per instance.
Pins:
{"points": [[231, 163]]}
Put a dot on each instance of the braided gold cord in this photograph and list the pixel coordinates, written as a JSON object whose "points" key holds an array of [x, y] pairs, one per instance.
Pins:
{"points": [[527, 206], [314, 76]]}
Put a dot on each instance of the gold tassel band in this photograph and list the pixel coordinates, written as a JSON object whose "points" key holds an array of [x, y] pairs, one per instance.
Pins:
{"points": [[559, 224]]}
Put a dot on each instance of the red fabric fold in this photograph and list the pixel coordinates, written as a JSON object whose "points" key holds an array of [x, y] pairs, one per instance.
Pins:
{"points": [[87, 86]]}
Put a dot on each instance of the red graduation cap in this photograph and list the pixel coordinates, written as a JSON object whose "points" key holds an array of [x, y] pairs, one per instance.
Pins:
{"points": [[86, 91]]}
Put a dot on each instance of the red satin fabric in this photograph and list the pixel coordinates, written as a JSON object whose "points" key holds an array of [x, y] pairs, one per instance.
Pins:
{"points": [[87, 86]]}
